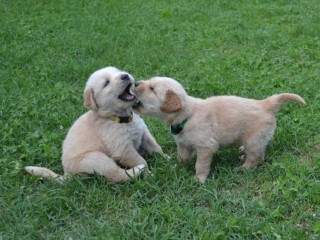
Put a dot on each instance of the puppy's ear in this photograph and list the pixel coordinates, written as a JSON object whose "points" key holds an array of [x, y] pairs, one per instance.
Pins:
{"points": [[89, 101], [171, 103]]}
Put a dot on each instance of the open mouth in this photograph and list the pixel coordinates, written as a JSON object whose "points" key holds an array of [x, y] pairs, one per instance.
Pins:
{"points": [[127, 95]]}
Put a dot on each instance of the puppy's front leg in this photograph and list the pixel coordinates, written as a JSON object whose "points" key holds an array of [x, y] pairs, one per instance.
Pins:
{"points": [[131, 158], [149, 144], [184, 154], [204, 159]]}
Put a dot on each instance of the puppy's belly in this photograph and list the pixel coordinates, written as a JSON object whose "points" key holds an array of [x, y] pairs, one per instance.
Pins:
{"points": [[209, 140], [229, 141], [192, 142]]}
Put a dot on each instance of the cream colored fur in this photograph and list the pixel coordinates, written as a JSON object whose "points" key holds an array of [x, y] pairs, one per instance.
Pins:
{"points": [[212, 123], [95, 143]]}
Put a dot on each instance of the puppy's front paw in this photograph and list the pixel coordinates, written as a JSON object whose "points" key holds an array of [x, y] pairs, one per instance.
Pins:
{"points": [[166, 156], [136, 171], [241, 149], [201, 178], [144, 171], [242, 156], [141, 167]]}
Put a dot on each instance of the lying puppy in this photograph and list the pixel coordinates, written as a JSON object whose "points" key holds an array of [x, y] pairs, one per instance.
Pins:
{"points": [[109, 133], [205, 125]]}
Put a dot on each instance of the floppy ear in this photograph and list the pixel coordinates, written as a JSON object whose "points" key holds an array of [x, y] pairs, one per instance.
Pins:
{"points": [[171, 103], [89, 101]]}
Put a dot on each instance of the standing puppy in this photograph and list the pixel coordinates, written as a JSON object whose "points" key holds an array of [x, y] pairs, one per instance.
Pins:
{"points": [[109, 133], [205, 125]]}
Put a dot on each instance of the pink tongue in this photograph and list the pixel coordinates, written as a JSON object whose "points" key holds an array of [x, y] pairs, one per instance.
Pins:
{"points": [[129, 97]]}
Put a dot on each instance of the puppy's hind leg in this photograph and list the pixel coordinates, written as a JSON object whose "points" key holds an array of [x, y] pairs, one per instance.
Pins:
{"points": [[98, 162], [254, 152], [45, 173], [255, 146]]}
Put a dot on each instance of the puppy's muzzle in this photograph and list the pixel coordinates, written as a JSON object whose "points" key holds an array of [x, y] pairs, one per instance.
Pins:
{"points": [[138, 88]]}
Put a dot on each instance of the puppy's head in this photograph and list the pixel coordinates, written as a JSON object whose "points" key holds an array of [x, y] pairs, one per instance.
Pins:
{"points": [[109, 90], [159, 96]]}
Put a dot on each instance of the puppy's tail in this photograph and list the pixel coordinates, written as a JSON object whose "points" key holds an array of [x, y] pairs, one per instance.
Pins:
{"points": [[274, 102], [45, 173]]}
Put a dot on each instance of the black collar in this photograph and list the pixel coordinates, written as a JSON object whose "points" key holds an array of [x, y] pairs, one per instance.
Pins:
{"points": [[178, 128]]}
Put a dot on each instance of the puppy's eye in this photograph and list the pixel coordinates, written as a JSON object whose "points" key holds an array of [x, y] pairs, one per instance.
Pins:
{"points": [[106, 83], [152, 89]]}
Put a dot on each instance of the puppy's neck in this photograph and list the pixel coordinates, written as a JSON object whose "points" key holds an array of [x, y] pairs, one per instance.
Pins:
{"points": [[109, 114]]}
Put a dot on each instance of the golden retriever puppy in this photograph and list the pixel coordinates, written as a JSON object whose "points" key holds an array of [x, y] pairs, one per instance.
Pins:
{"points": [[205, 125], [109, 133]]}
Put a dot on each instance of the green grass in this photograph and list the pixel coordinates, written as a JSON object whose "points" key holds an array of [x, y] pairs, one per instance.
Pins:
{"points": [[246, 48]]}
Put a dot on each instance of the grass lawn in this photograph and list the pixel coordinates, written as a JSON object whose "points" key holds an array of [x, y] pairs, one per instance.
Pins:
{"points": [[247, 48]]}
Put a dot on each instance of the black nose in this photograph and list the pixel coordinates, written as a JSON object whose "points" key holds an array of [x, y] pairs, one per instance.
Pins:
{"points": [[136, 84], [125, 77]]}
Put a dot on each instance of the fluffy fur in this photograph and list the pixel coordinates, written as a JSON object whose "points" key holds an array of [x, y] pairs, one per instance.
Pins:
{"points": [[211, 123], [96, 142]]}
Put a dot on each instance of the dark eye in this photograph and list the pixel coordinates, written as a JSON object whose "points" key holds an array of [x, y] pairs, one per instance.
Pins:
{"points": [[152, 89], [106, 83]]}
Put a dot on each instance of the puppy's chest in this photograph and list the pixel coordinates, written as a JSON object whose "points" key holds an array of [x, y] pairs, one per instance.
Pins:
{"points": [[184, 139], [195, 136], [121, 135]]}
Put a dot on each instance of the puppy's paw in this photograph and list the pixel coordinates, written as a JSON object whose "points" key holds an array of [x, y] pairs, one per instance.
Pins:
{"points": [[241, 149], [40, 172], [144, 171], [242, 156], [201, 178], [140, 167], [147, 173], [29, 170], [136, 171], [166, 156]]}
